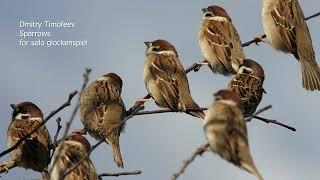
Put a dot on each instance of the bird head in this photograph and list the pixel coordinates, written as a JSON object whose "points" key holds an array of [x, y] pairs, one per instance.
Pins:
{"points": [[160, 46], [25, 110], [215, 11]]}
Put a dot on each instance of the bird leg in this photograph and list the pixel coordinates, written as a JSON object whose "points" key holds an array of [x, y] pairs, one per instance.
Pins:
{"points": [[142, 101], [5, 166], [260, 38]]}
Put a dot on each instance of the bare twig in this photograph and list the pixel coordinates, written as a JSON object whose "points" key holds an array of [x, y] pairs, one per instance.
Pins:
{"points": [[54, 143], [120, 174], [273, 121], [258, 112], [165, 110], [75, 110], [199, 151], [67, 103], [128, 116], [256, 40], [312, 16]]}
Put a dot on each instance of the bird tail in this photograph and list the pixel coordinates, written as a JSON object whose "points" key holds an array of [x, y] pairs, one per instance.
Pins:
{"points": [[117, 154], [310, 75], [250, 167], [193, 109]]}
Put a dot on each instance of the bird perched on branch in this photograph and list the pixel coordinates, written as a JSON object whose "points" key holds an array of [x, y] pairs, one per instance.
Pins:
{"points": [[220, 42], [286, 29], [247, 84], [32, 153], [102, 111], [226, 131], [166, 80], [68, 153]]}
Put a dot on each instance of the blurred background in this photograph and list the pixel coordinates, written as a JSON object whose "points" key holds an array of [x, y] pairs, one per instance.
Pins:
{"points": [[158, 144]]}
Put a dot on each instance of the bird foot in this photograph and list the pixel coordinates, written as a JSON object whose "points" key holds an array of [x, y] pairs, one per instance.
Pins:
{"points": [[142, 101], [199, 64], [260, 38], [4, 168], [80, 131], [202, 63]]}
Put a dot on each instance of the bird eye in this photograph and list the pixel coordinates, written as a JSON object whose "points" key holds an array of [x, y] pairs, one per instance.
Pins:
{"points": [[208, 14], [156, 49]]}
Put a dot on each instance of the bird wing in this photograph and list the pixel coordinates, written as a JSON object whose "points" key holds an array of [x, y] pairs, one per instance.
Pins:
{"points": [[166, 76], [294, 31], [35, 148], [286, 22], [109, 109], [69, 155], [226, 45], [250, 91]]}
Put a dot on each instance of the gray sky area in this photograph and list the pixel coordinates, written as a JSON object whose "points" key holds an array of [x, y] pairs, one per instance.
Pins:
{"points": [[158, 144]]}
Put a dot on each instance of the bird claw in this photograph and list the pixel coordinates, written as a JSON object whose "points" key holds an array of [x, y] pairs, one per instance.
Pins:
{"points": [[5, 168], [142, 101], [259, 39], [199, 64]]}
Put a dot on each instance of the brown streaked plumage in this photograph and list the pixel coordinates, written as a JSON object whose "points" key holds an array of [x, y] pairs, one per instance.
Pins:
{"points": [[220, 42], [248, 85], [166, 80], [33, 153], [286, 29], [67, 154], [102, 110], [226, 131]]}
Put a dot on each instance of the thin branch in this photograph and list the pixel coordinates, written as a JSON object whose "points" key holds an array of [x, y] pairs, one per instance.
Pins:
{"points": [[199, 151], [165, 110], [312, 16], [275, 122], [75, 110], [258, 112], [128, 116], [120, 174], [256, 40], [67, 103], [54, 144]]}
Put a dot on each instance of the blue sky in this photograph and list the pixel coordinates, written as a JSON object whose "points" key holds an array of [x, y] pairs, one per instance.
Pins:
{"points": [[158, 144]]}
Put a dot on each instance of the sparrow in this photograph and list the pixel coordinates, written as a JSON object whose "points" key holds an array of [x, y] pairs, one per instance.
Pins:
{"points": [[226, 131], [32, 153], [219, 41], [247, 84], [166, 80], [286, 29], [102, 111], [68, 153]]}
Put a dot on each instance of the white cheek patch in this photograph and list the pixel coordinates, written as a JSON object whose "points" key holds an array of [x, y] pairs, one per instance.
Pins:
{"points": [[22, 116], [218, 18], [228, 102], [172, 53], [102, 78]]}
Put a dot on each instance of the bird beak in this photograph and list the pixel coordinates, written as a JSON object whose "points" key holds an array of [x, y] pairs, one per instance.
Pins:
{"points": [[14, 107], [204, 10], [148, 44]]}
